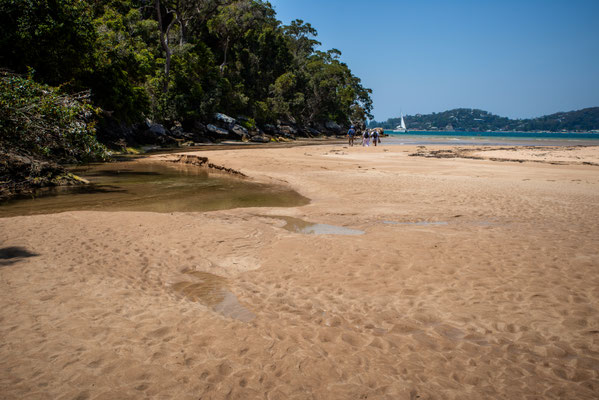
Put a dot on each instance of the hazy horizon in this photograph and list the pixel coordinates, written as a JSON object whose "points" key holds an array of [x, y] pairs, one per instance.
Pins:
{"points": [[517, 59]]}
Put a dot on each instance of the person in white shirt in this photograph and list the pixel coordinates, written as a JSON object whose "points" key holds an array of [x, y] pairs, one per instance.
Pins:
{"points": [[366, 138]]}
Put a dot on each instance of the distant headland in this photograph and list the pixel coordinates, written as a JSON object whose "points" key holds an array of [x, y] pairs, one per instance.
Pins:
{"points": [[474, 120]]}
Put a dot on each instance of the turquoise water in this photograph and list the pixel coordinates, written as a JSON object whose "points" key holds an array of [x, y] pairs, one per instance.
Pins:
{"points": [[493, 138], [532, 135]]}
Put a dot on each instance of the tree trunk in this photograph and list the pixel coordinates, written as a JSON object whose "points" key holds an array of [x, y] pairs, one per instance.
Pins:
{"points": [[165, 46], [222, 66], [180, 16]]}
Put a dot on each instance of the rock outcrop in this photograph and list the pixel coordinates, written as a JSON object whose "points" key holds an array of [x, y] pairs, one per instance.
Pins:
{"points": [[22, 175], [221, 127], [199, 161]]}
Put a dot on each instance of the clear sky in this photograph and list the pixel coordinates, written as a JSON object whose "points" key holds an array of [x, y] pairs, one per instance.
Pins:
{"points": [[514, 58]]}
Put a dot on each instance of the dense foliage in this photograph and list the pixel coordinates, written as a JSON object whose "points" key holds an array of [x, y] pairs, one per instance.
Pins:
{"points": [[38, 121], [182, 60], [470, 120]]}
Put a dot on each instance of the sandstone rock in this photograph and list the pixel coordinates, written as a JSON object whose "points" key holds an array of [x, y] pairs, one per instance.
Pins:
{"points": [[199, 128], [333, 126], [260, 139], [216, 130], [287, 130], [177, 129], [156, 129], [239, 130], [270, 129], [22, 174], [155, 134], [224, 118]]}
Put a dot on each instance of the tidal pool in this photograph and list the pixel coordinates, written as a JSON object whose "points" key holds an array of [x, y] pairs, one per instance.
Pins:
{"points": [[418, 223], [152, 186], [212, 291], [300, 226]]}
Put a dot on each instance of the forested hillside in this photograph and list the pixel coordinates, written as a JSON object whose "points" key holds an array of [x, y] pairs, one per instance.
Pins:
{"points": [[79, 75], [466, 119], [178, 62]]}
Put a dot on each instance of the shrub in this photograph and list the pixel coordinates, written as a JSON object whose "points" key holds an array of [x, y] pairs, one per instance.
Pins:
{"points": [[40, 121]]}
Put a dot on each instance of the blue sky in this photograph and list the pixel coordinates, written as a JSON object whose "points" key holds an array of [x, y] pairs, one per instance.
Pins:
{"points": [[518, 59]]}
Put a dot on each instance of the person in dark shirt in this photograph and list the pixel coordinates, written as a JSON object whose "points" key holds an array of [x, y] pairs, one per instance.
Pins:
{"points": [[375, 137], [350, 135]]}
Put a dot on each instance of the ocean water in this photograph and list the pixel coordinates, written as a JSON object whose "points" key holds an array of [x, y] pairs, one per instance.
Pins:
{"points": [[492, 138]]}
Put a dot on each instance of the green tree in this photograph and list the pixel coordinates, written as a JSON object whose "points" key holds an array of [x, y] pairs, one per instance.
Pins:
{"points": [[40, 121], [125, 58], [54, 37]]}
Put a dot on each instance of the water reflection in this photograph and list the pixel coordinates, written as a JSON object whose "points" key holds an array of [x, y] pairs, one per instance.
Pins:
{"points": [[300, 226], [416, 223], [157, 187], [212, 291]]}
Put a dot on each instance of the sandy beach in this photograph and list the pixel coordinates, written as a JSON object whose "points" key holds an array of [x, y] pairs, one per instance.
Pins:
{"points": [[463, 278]]}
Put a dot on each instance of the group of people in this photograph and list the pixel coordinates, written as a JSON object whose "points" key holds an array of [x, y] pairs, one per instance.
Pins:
{"points": [[366, 135]]}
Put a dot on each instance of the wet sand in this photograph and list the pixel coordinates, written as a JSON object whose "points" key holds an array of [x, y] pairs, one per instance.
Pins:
{"points": [[472, 279]]}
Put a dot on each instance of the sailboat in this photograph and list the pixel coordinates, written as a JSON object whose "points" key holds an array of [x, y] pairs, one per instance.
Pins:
{"points": [[401, 127]]}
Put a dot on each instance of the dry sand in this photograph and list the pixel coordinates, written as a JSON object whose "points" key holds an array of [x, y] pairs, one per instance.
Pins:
{"points": [[474, 279]]}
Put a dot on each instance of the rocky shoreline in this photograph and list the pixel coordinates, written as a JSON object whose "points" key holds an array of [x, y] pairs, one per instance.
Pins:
{"points": [[222, 127], [23, 174]]}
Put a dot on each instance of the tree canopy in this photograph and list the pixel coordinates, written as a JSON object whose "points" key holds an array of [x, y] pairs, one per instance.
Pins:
{"points": [[181, 60]]}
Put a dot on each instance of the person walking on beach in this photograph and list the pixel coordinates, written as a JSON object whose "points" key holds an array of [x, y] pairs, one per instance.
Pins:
{"points": [[366, 138], [375, 137], [350, 135]]}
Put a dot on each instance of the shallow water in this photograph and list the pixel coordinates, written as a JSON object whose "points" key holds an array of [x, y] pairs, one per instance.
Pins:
{"points": [[418, 223], [212, 291], [491, 139], [297, 225], [156, 187]]}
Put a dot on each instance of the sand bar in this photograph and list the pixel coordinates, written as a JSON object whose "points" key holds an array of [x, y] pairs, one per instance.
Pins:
{"points": [[472, 279]]}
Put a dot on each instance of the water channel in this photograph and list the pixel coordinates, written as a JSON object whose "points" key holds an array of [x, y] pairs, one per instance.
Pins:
{"points": [[155, 187]]}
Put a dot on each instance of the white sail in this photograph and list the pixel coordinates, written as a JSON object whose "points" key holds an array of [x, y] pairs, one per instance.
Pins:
{"points": [[401, 127]]}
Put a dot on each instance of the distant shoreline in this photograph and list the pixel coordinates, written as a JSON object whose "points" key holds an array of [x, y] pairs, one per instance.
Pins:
{"points": [[521, 134], [593, 132], [469, 119]]}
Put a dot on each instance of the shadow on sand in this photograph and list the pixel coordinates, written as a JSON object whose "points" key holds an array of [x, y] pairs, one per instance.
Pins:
{"points": [[11, 255]]}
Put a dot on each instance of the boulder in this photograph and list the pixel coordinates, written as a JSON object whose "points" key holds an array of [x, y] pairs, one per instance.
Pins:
{"points": [[314, 132], [287, 130], [155, 134], [270, 129], [256, 131], [216, 130], [22, 174], [156, 130], [239, 130], [260, 139], [199, 128], [177, 130], [333, 126], [224, 118], [116, 134]]}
